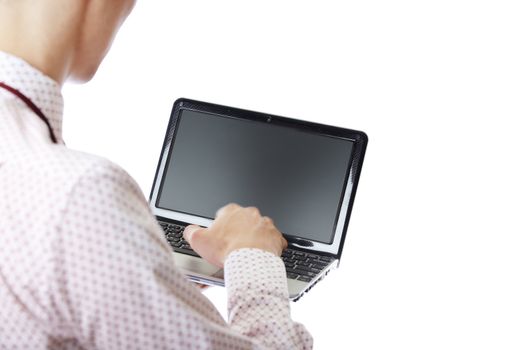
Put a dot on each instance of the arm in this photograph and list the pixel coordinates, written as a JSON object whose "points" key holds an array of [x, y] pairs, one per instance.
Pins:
{"points": [[118, 287], [258, 304]]}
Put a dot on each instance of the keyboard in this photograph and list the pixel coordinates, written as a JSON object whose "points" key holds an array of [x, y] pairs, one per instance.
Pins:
{"points": [[173, 233], [299, 265], [303, 266]]}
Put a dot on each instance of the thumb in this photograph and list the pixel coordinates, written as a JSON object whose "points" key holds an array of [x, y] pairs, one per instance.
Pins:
{"points": [[189, 231]]}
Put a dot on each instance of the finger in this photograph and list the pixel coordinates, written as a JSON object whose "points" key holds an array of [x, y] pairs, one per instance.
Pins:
{"points": [[253, 211], [201, 286], [268, 220], [189, 231], [284, 243], [228, 208]]}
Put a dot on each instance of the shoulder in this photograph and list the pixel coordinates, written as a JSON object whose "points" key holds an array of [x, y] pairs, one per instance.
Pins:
{"points": [[68, 167], [56, 173]]}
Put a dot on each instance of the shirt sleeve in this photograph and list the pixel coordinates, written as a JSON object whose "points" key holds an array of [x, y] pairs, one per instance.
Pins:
{"points": [[116, 285]]}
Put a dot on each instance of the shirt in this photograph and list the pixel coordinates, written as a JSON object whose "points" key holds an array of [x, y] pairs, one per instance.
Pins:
{"points": [[85, 265]]}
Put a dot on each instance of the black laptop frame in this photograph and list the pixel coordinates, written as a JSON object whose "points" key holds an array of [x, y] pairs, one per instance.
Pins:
{"points": [[359, 139]]}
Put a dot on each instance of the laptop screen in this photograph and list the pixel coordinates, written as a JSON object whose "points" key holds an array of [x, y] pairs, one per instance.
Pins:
{"points": [[295, 177]]}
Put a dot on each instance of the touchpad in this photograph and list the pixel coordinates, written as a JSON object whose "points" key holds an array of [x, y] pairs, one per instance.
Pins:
{"points": [[219, 274], [196, 265]]}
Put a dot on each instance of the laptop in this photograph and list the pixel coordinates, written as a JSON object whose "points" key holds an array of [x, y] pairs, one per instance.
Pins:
{"points": [[301, 174]]}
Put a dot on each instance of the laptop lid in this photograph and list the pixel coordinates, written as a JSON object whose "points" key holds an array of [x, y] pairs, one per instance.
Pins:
{"points": [[303, 175]]}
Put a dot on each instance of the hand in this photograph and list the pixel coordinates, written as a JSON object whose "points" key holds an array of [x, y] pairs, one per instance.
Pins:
{"points": [[201, 286], [234, 228]]}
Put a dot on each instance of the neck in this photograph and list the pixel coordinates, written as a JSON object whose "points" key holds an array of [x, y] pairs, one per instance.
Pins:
{"points": [[30, 30]]}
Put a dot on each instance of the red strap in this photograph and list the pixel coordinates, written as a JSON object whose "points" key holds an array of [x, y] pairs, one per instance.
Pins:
{"points": [[32, 106]]}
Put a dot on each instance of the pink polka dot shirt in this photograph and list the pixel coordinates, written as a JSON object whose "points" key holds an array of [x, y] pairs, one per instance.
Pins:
{"points": [[84, 264]]}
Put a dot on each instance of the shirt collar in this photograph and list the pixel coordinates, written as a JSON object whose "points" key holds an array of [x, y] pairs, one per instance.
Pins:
{"points": [[43, 91]]}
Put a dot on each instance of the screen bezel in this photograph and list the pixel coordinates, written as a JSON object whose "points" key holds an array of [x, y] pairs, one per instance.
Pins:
{"points": [[358, 138]]}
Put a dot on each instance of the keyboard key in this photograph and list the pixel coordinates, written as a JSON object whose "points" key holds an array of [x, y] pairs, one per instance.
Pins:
{"points": [[304, 279], [289, 266], [286, 253], [303, 272], [319, 266], [292, 275], [300, 257]]}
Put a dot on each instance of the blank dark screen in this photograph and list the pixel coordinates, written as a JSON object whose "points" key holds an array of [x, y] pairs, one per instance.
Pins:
{"points": [[294, 177]]}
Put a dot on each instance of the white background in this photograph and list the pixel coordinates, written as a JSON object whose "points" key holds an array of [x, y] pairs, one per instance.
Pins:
{"points": [[435, 254]]}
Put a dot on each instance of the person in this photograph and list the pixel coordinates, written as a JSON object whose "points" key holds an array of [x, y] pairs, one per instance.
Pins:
{"points": [[83, 263]]}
